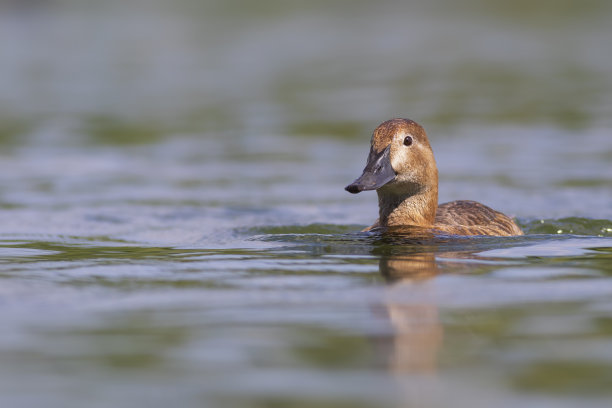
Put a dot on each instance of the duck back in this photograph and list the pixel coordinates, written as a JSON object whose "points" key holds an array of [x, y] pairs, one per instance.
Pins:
{"points": [[464, 217]]}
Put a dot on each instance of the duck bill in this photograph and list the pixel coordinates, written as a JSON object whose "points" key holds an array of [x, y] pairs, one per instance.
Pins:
{"points": [[377, 172]]}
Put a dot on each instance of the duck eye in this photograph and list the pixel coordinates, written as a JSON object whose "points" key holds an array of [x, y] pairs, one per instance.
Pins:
{"points": [[407, 140]]}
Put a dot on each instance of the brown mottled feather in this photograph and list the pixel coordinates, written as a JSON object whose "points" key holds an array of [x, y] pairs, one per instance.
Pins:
{"points": [[466, 217]]}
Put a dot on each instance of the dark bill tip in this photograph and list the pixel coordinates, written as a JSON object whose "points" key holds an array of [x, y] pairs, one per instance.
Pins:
{"points": [[353, 188]]}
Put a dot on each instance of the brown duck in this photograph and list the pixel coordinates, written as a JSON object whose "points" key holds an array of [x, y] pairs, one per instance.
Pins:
{"points": [[402, 169]]}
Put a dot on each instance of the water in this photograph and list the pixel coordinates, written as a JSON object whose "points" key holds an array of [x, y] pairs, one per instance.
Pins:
{"points": [[174, 229]]}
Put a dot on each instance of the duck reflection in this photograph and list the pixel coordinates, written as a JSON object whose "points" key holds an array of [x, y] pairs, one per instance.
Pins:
{"points": [[409, 257], [413, 312]]}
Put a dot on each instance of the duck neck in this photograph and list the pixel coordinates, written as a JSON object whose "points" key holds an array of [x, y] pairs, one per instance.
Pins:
{"points": [[416, 206]]}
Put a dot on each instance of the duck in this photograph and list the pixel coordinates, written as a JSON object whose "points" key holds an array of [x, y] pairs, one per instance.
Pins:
{"points": [[402, 169]]}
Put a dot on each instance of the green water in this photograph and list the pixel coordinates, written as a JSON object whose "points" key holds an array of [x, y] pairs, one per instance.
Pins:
{"points": [[174, 229]]}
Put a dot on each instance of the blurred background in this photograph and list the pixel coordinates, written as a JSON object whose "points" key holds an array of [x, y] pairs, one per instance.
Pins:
{"points": [[521, 92], [146, 146], [295, 67]]}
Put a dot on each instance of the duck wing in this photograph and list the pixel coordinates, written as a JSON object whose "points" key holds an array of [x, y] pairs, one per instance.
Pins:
{"points": [[464, 217]]}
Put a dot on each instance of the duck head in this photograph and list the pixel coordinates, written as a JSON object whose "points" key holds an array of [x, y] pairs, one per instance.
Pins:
{"points": [[400, 162]]}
